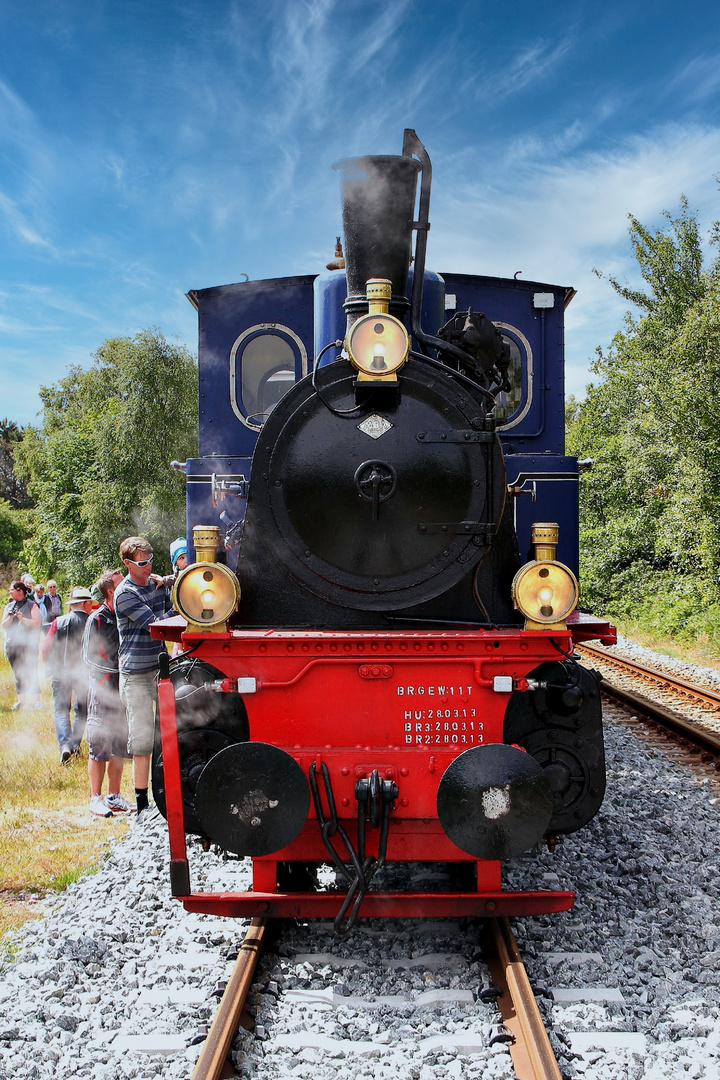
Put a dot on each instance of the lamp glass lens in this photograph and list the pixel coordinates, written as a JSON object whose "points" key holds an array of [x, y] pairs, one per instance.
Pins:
{"points": [[546, 592], [206, 595], [378, 344]]}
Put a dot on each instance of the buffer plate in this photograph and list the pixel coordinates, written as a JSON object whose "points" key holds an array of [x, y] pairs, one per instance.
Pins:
{"points": [[252, 798], [494, 802]]}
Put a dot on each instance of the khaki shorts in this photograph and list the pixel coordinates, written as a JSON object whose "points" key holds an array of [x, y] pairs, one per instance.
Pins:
{"points": [[138, 692], [107, 729]]}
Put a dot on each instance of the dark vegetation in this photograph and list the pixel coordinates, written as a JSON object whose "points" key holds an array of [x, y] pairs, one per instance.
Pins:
{"points": [[650, 507]]}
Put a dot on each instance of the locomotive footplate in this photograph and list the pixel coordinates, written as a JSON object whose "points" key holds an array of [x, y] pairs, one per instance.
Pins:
{"points": [[406, 905]]}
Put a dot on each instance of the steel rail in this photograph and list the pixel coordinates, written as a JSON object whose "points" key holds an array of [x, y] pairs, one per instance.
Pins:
{"points": [[214, 1053], [700, 692], [530, 1049], [693, 731]]}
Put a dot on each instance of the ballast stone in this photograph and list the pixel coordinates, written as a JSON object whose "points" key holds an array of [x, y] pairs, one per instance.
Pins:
{"points": [[149, 1044], [555, 958], [568, 994]]}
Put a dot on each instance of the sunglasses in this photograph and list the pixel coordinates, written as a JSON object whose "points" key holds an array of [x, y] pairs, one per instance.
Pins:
{"points": [[143, 562]]}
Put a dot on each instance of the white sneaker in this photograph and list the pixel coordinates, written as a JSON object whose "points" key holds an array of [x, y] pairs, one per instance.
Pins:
{"points": [[118, 804], [99, 806]]}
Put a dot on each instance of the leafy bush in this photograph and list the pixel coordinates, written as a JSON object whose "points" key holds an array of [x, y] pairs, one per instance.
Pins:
{"points": [[14, 529], [650, 507]]}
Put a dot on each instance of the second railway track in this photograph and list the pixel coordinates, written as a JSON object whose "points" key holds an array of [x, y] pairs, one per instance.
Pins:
{"points": [[685, 708]]}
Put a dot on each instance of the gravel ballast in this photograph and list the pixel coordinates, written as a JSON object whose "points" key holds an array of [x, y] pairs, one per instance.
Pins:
{"points": [[114, 962], [117, 980], [692, 673]]}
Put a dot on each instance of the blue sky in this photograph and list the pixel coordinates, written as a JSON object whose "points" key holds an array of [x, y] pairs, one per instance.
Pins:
{"points": [[149, 148]]}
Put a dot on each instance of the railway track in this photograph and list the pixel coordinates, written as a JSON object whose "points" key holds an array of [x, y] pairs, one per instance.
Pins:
{"points": [[211, 1064], [687, 710], [531, 1052], [507, 986]]}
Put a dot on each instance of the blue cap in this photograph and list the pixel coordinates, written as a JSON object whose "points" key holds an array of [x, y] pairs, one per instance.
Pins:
{"points": [[177, 548]]}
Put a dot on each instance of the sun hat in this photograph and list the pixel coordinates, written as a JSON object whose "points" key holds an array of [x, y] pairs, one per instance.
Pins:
{"points": [[80, 595]]}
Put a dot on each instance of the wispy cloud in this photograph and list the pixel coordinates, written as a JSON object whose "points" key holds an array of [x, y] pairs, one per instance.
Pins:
{"points": [[18, 124], [20, 225], [699, 79], [532, 64], [378, 39], [28, 163], [303, 61], [583, 199], [115, 167], [556, 218], [34, 309]]}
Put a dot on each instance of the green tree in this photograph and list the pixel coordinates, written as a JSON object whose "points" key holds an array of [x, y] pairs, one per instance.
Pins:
{"points": [[13, 532], [572, 411], [99, 466], [12, 487], [671, 263], [650, 508]]}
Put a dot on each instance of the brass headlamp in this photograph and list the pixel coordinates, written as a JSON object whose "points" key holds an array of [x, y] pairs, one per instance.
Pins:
{"points": [[207, 592], [545, 591], [377, 343]]}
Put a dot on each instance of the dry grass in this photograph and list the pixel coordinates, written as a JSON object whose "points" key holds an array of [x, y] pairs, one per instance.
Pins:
{"points": [[701, 652], [47, 836]]}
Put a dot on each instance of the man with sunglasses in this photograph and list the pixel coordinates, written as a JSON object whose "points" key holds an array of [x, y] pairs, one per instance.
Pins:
{"points": [[140, 599]]}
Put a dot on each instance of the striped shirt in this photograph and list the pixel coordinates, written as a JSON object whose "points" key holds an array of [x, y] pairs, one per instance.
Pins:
{"points": [[136, 606]]}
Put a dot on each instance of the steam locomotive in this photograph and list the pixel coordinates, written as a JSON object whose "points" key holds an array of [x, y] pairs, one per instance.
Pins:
{"points": [[371, 672]]}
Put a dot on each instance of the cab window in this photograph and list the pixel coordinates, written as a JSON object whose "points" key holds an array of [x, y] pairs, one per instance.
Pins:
{"points": [[513, 404], [264, 363]]}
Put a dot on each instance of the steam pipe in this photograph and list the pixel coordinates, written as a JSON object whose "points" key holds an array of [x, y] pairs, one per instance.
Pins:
{"points": [[412, 145]]}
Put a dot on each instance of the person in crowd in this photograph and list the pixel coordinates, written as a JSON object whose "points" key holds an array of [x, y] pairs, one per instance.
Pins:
{"points": [[56, 602], [43, 602], [178, 554], [21, 625], [62, 653], [139, 600], [28, 581], [178, 558], [107, 729]]}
